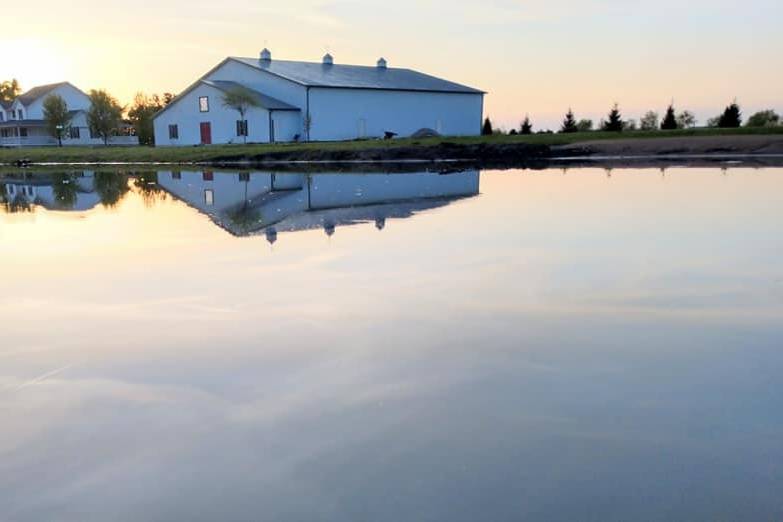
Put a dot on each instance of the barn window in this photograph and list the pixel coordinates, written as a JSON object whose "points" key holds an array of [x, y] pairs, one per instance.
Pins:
{"points": [[203, 104], [242, 128], [23, 132], [173, 132], [209, 197], [75, 133]]}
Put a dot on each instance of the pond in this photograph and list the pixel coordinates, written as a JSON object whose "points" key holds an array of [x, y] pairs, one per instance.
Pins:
{"points": [[560, 345]]}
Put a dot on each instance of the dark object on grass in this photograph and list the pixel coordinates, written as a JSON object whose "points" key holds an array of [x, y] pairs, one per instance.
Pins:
{"points": [[297, 137], [24, 163], [425, 133], [388, 135], [487, 129]]}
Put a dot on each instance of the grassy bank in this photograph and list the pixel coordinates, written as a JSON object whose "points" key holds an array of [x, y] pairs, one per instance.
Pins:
{"points": [[238, 152]]}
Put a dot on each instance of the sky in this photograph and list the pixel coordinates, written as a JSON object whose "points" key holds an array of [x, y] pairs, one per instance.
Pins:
{"points": [[536, 57]]}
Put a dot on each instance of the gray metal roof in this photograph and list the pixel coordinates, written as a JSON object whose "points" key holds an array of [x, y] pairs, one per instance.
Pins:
{"points": [[356, 76], [267, 102], [38, 92]]}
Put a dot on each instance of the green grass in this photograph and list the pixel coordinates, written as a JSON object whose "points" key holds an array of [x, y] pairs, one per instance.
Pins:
{"points": [[238, 152]]}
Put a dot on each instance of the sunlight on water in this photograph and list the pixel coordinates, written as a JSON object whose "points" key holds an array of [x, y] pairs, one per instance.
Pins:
{"points": [[188, 345]]}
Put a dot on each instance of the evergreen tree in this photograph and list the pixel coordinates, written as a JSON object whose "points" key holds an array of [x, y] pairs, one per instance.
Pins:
{"points": [[614, 123], [670, 120], [487, 130], [731, 117], [527, 127], [569, 123]]}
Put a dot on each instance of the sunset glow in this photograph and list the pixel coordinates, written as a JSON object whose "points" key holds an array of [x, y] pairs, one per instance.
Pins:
{"points": [[533, 57]]}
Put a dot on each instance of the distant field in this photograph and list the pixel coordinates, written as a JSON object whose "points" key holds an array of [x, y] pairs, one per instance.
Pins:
{"points": [[237, 152]]}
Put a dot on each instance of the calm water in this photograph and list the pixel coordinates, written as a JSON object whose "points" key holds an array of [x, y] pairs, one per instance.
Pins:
{"points": [[558, 346]]}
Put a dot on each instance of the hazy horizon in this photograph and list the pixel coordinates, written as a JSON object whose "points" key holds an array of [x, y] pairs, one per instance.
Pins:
{"points": [[533, 57]]}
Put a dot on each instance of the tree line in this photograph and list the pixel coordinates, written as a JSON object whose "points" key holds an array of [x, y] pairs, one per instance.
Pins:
{"points": [[106, 116], [730, 118]]}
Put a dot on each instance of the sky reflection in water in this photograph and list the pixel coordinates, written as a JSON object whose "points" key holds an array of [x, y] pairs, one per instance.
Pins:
{"points": [[494, 346]]}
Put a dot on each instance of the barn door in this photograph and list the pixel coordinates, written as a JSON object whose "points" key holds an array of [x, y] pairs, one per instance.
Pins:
{"points": [[206, 133]]}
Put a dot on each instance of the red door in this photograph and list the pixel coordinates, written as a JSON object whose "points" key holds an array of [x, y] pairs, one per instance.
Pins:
{"points": [[206, 133]]}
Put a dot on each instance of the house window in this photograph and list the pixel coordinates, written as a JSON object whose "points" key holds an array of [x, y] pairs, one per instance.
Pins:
{"points": [[20, 117], [23, 132], [242, 128], [2, 116], [209, 197], [203, 104], [176, 175], [75, 133], [244, 176], [173, 132], [4, 133], [208, 176]]}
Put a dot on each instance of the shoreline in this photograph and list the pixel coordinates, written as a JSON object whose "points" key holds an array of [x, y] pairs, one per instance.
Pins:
{"points": [[493, 152]]}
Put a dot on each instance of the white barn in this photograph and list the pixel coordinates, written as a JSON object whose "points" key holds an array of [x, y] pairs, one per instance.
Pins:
{"points": [[22, 120], [317, 102]]}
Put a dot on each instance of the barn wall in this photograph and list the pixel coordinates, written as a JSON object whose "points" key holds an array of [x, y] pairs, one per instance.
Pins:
{"points": [[344, 114], [185, 114]]}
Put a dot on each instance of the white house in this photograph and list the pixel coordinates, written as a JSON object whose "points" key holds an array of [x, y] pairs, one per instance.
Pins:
{"points": [[322, 101], [22, 120]]}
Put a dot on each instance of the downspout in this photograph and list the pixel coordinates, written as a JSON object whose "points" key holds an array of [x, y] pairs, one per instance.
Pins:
{"points": [[307, 115]]}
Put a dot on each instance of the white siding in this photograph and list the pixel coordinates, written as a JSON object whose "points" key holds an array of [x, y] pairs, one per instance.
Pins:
{"points": [[336, 114], [75, 99], [186, 115], [343, 114]]}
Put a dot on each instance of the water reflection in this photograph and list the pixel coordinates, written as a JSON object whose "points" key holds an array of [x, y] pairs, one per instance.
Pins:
{"points": [[245, 203], [268, 203], [614, 342]]}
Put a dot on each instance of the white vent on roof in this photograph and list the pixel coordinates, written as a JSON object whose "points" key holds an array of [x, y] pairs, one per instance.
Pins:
{"points": [[266, 55], [328, 59], [382, 63]]}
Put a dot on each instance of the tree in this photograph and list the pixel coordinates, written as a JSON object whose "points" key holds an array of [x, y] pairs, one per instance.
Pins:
{"points": [[9, 90], [670, 120], [55, 113], [629, 125], [686, 120], [649, 121], [569, 123], [614, 123], [241, 99], [731, 117], [104, 116], [585, 125], [768, 118], [142, 113], [487, 130], [527, 127]]}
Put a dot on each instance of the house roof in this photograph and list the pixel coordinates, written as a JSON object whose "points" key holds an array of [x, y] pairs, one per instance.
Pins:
{"points": [[267, 102], [312, 74], [39, 92], [6, 104]]}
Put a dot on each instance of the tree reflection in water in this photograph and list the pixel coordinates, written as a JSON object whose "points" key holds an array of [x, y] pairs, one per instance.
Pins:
{"points": [[146, 184], [111, 187], [65, 191]]}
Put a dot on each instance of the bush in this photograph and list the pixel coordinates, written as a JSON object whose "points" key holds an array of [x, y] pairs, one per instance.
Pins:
{"points": [[768, 118]]}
